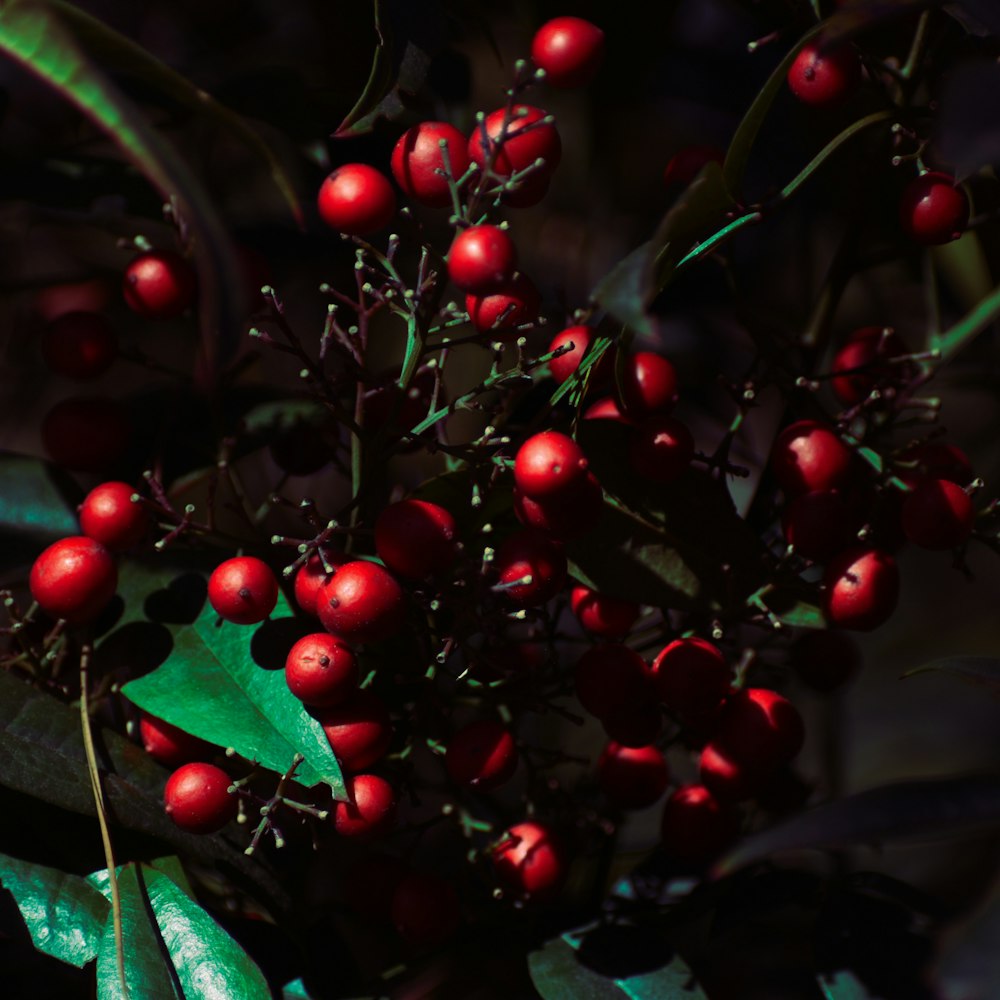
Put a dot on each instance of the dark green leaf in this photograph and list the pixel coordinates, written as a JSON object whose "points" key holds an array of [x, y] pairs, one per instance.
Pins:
{"points": [[983, 671], [794, 610], [843, 986], [64, 914], [36, 498], [626, 290], [225, 683], [282, 414], [295, 990], [914, 808]]}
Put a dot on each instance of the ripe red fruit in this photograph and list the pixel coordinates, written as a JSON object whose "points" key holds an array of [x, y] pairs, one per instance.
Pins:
{"points": [[580, 337], [362, 602], [523, 142], [759, 728], [425, 910], [530, 553], [356, 199], [159, 284], [649, 385], [825, 659], [89, 295], [727, 777], [569, 49], [824, 78], [933, 210], [863, 349], [526, 191], [514, 304], [359, 730], [607, 409], [696, 827], [632, 777], [938, 514], [417, 158], [109, 516], [370, 809], [549, 465], [935, 460], [416, 539], [86, 434], [530, 860], [483, 755], [243, 590], [311, 577], [661, 449], [197, 798], [818, 524], [808, 456], [74, 579], [691, 677], [321, 670], [564, 518], [371, 882], [635, 724], [169, 745], [862, 589], [609, 677], [602, 614], [79, 345], [688, 162], [481, 259]]}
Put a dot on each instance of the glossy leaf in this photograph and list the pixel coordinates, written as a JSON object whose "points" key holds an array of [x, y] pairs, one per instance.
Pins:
{"points": [[891, 812], [225, 683], [38, 499], [63, 913], [983, 671]]}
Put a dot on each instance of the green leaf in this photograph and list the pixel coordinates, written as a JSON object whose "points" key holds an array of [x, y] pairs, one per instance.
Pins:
{"points": [[64, 915], [983, 671], [914, 808], [173, 947], [793, 609], [843, 986], [32, 34], [225, 683], [38, 499], [577, 381], [170, 866], [118, 53]]}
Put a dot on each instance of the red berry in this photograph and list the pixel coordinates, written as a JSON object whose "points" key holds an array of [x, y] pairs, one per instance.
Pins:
{"points": [[823, 78], [530, 860], [862, 589], [580, 339], [359, 730], [607, 409], [863, 350], [501, 313], [636, 724], [243, 590], [425, 910], [86, 434], [311, 577], [609, 677], [602, 614], [483, 755], [549, 465], [370, 809], [661, 449], [521, 146], [109, 516], [530, 553], [371, 882], [168, 744], [632, 777], [362, 602], [687, 163], [159, 284], [938, 514], [564, 518], [808, 456], [825, 659], [481, 259], [935, 460], [321, 670], [696, 827], [649, 385], [728, 778], [197, 798], [818, 524], [526, 191], [356, 199], [91, 295], [74, 579], [416, 539], [933, 210], [417, 158], [759, 728], [691, 676], [79, 345], [569, 49]]}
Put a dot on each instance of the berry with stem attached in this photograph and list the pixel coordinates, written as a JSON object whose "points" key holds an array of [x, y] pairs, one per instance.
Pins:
{"points": [[481, 259], [524, 143], [862, 589], [531, 567], [416, 539], [321, 670], [418, 162], [370, 809], [109, 515], [824, 77], [501, 313], [362, 602], [809, 456], [933, 210], [530, 860], [359, 730], [169, 744], [549, 465], [604, 615], [483, 755]]}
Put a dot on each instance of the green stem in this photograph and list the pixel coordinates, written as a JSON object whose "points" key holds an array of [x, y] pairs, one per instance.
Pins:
{"points": [[962, 333]]}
